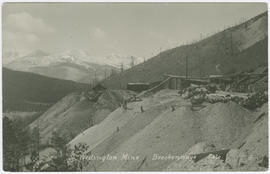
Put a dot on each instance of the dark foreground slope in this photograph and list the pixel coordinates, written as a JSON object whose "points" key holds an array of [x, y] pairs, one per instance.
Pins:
{"points": [[239, 48], [24, 91]]}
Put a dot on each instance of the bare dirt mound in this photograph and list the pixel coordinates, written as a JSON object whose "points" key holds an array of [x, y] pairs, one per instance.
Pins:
{"points": [[256, 143], [132, 119], [224, 123], [75, 113], [161, 134], [168, 134], [251, 155], [172, 133]]}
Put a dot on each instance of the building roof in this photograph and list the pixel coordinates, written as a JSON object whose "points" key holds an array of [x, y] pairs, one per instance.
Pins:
{"points": [[138, 83], [98, 87], [216, 76]]}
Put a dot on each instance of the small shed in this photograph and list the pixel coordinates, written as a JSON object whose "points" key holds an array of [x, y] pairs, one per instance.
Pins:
{"points": [[138, 87]]}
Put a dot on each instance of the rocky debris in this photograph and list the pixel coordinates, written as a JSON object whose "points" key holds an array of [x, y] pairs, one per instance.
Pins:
{"points": [[201, 147], [194, 90], [239, 159], [209, 162], [197, 94], [264, 162], [235, 160], [250, 155], [255, 100]]}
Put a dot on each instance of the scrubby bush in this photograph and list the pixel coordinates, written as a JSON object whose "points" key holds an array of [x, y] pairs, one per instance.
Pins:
{"points": [[255, 100]]}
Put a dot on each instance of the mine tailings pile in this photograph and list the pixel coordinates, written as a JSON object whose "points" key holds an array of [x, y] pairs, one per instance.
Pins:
{"points": [[78, 111], [227, 130]]}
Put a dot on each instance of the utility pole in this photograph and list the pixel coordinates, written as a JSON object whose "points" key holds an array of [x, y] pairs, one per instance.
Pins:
{"points": [[105, 74], [38, 138], [132, 63], [95, 79], [143, 63], [200, 65], [122, 67], [231, 43], [186, 66]]}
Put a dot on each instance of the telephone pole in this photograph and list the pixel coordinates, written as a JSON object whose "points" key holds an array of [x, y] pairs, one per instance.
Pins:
{"points": [[95, 77], [105, 74], [38, 138], [186, 66], [231, 39]]}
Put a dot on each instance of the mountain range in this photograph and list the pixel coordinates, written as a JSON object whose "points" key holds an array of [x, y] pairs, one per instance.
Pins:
{"points": [[77, 65]]}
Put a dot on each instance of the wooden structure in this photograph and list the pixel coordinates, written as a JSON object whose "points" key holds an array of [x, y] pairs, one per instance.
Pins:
{"points": [[138, 87], [180, 82], [260, 85], [250, 82], [240, 82]]}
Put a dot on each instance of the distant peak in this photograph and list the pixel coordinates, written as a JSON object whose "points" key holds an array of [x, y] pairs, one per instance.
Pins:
{"points": [[36, 53], [77, 51]]}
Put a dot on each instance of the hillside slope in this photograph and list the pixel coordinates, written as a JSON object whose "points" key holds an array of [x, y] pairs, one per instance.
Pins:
{"points": [[75, 112], [248, 156], [23, 91], [242, 47], [135, 140]]}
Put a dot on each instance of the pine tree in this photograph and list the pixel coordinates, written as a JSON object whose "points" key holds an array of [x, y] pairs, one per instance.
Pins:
{"points": [[78, 158], [59, 163], [16, 141], [8, 145]]}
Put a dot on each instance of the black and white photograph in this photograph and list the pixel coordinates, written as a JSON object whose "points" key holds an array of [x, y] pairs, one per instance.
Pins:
{"points": [[134, 86]]}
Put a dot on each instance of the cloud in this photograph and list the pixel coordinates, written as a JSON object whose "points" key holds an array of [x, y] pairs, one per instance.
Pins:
{"points": [[24, 22], [22, 31], [98, 33]]}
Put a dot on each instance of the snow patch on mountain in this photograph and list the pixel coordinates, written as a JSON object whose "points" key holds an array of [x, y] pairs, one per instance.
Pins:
{"points": [[77, 56]]}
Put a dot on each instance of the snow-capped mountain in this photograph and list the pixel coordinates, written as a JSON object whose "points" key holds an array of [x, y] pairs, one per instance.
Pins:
{"points": [[117, 59], [9, 56], [41, 58], [35, 58], [77, 65]]}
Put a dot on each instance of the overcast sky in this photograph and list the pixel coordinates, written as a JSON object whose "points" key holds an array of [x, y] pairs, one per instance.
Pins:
{"points": [[139, 29]]}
